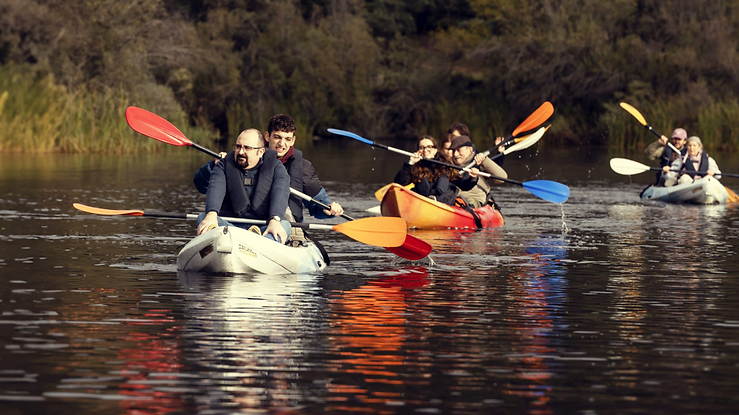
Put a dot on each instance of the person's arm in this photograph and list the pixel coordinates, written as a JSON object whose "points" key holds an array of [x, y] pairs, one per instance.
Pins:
{"points": [[313, 188], [667, 172], [202, 177], [216, 189], [713, 169], [278, 197], [491, 167], [466, 181], [403, 177], [655, 150]]}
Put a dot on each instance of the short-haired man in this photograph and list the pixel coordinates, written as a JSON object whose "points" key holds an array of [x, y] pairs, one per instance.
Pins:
{"points": [[248, 183], [660, 149]]}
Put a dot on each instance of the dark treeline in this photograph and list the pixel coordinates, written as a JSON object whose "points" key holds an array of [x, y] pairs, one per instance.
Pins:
{"points": [[391, 67]]}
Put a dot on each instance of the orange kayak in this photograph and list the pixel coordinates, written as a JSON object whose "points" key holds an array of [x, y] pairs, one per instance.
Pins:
{"points": [[423, 213]]}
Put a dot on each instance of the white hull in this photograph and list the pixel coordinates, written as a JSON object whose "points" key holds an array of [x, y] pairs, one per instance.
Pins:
{"points": [[231, 249], [706, 191]]}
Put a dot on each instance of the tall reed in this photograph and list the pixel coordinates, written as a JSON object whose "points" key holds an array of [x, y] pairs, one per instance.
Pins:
{"points": [[36, 115]]}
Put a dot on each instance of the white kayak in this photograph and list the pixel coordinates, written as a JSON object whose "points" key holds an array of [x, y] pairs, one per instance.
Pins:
{"points": [[706, 191], [229, 249]]}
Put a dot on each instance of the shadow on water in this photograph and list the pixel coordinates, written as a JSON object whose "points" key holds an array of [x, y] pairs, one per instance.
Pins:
{"points": [[603, 305]]}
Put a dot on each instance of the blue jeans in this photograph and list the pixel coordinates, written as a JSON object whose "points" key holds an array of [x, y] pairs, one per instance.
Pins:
{"points": [[222, 222]]}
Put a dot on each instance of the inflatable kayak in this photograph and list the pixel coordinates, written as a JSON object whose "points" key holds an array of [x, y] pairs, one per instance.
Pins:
{"points": [[706, 191], [229, 249], [423, 213]]}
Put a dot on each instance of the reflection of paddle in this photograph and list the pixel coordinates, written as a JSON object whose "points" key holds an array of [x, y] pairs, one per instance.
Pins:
{"points": [[412, 248], [156, 127], [534, 120], [545, 189], [630, 167], [377, 231]]}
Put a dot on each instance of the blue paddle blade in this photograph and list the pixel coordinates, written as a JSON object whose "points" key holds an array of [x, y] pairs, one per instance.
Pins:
{"points": [[548, 190], [351, 135]]}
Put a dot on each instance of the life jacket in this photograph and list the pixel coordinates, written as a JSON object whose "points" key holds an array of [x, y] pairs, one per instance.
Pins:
{"points": [[689, 167], [241, 204], [669, 155]]}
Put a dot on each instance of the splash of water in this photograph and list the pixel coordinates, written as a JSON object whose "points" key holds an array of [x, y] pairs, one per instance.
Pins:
{"points": [[565, 228]]}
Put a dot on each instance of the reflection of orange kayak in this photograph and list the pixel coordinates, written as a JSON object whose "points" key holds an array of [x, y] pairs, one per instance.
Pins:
{"points": [[423, 213]]}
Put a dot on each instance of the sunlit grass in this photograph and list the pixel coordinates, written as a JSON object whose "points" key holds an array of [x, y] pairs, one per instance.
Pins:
{"points": [[36, 115]]}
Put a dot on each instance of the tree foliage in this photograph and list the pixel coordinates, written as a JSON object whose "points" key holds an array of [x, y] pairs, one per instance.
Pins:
{"points": [[389, 66]]}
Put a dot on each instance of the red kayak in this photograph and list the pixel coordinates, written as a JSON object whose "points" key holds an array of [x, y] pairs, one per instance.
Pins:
{"points": [[423, 213]]}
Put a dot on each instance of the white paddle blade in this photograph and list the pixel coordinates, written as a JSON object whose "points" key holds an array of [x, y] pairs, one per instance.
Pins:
{"points": [[528, 141], [628, 167], [374, 210]]}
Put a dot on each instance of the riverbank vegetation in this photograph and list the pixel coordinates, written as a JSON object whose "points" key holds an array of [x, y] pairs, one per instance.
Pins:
{"points": [[377, 67]]}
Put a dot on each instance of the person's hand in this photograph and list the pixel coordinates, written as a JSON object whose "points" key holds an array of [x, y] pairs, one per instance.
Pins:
{"points": [[663, 140], [710, 172], [209, 222], [479, 158], [275, 228], [499, 140], [222, 155], [666, 169], [415, 158], [474, 172], [335, 209]]}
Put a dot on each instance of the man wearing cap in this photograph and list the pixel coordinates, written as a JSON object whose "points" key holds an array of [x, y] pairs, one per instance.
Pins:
{"points": [[660, 149], [463, 153]]}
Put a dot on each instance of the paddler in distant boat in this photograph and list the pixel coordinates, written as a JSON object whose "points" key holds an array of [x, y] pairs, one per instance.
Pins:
{"points": [[464, 153], [694, 165], [660, 149], [430, 179], [251, 183]]}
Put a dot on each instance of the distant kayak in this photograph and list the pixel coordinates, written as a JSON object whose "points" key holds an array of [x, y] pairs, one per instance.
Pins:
{"points": [[706, 191], [423, 213], [230, 249]]}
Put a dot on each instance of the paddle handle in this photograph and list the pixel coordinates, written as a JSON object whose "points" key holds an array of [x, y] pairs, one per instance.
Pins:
{"points": [[321, 204]]}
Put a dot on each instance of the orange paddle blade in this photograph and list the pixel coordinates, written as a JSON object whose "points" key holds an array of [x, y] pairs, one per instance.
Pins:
{"points": [[107, 212], [536, 118], [382, 231], [634, 112], [733, 197]]}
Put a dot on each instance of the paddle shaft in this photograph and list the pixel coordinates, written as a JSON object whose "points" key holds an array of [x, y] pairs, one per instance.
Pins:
{"points": [[156, 213], [454, 166], [701, 173]]}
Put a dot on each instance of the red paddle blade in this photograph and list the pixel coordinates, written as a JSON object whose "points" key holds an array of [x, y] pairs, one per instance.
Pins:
{"points": [[412, 249], [156, 127]]}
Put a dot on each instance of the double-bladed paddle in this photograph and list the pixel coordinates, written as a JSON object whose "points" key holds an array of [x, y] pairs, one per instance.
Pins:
{"points": [[544, 189], [534, 120], [630, 167], [156, 127], [370, 231]]}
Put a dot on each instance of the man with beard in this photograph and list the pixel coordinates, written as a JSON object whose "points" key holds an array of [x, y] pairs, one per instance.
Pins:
{"points": [[463, 153], [660, 149], [248, 183]]}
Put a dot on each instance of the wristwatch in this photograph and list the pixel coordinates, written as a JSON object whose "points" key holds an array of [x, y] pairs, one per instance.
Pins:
{"points": [[277, 218]]}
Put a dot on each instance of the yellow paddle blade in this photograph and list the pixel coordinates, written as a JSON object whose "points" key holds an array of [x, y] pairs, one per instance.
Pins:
{"points": [[107, 212], [633, 111], [733, 197], [382, 231], [379, 194]]}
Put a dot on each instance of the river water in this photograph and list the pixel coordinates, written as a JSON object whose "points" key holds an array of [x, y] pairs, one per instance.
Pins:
{"points": [[604, 305]]}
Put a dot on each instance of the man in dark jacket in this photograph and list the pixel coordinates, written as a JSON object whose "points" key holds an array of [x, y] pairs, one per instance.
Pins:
{"points": [[248, 183], [280, 136]]}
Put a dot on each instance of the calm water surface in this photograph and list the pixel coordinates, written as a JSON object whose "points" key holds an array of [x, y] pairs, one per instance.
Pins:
{"points": [[605, 305]]}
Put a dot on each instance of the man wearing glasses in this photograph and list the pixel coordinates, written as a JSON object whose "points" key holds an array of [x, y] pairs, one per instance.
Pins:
{"points": [[250, 183], [660, 149]]}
